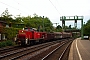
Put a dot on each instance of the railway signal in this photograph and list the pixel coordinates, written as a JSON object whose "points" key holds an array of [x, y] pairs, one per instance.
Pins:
{"points": [[75, 18]]}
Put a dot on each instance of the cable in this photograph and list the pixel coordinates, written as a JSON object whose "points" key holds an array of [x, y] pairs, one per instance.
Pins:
{"points": [[20, 4], [8, 5], [57, 2], [54, 7], [12, 7], [25, 7]]}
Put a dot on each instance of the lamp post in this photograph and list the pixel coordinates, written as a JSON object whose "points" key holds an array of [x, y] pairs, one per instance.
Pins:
{"points": [[43, 23]]}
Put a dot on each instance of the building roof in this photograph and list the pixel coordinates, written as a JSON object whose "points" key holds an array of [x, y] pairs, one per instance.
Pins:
{"points": [[2, 22]]}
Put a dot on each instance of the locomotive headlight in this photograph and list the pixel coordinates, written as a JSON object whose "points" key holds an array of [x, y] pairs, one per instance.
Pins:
{"points": [[26, 40], [22, 31]]}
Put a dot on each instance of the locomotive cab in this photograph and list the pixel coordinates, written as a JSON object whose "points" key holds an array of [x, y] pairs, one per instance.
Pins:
{"points": [[24, 36]]}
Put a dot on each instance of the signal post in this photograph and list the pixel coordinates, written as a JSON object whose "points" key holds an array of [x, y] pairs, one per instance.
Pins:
{"points": [[75, 18]]}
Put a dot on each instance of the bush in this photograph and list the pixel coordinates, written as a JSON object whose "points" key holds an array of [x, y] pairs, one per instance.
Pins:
{"points": [[2, 44], [7, 43]]}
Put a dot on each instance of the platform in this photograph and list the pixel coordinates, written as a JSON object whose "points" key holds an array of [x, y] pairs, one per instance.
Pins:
{"points": [[80, 50]]}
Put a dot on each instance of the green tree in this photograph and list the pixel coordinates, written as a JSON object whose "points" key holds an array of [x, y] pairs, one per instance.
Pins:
{"points": [[87, 28], [36, 22], [18, 19], [69, 26], [5, 16], [59, 28]]}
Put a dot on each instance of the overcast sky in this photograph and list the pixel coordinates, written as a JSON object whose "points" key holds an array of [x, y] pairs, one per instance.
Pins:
{"points": [[52, 9]]}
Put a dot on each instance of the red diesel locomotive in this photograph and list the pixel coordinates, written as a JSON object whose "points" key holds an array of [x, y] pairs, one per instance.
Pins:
{"points": [[29, 36]]}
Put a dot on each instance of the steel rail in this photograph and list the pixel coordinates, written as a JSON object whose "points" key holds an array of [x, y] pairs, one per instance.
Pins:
{"points": [[64, 51], [52, 52], [21, 50]]}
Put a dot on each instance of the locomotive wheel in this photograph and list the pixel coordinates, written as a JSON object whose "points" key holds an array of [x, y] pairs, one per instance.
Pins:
{"points": [[31, 42], [23, 43], [41, 41]]}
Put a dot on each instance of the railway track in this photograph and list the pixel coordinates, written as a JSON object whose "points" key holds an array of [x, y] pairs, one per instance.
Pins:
{"points": [[60, 53], [38, 55], [7, 49], [12, 55]]}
